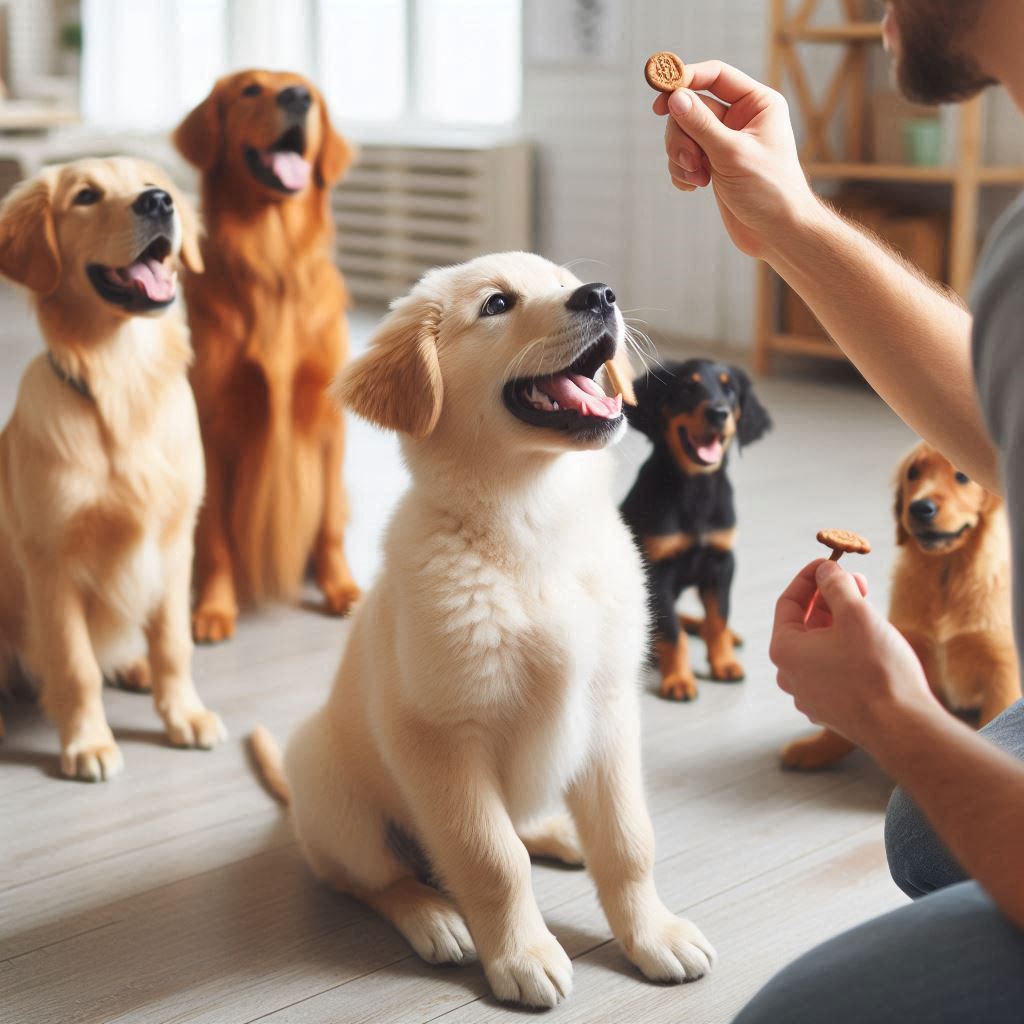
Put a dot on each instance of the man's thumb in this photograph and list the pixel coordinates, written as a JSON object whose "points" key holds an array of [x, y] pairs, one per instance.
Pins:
{"points": [[838, 587], [690, 112]]}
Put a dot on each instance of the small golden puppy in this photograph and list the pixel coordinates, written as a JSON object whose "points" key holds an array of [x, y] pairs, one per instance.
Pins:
{"points": [[950, 596], [493, 668], [101, 466]]}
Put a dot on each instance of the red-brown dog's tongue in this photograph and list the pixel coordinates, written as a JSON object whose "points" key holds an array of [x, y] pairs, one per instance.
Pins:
{"points": [[153, 278], [582, 394], [290, 169]]}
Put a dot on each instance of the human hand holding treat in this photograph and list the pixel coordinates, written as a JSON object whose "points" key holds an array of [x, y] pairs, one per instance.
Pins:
{"points": [[665, 73], [841, 542]]}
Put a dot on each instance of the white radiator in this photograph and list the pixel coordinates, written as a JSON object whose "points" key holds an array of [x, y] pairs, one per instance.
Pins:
{"points": [[403, 209]]}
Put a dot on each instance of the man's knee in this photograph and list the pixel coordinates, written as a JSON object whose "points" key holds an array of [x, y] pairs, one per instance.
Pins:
{"points": [[918, 861]]}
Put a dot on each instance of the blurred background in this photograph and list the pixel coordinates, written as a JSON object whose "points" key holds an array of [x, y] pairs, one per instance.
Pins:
{"points": [[493, 124]]}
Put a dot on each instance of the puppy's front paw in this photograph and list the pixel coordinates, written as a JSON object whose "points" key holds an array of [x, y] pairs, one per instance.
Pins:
{"points": [[671, 949], [727, 670], [91, 761], [135, 677], [679, 687], [439, 934], [194, 727], [539, 974], [340, 596], [212, 625], [815, 753]]}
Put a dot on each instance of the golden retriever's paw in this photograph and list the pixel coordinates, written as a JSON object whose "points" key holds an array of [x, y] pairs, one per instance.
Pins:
{"points": [[135, 677], [728, 670], [671, 950], [537, 975], [554, 838], [91, 762], [212, 625], [679, 687], [815, 753], [194, 728], [439, 934], [340, 597]]}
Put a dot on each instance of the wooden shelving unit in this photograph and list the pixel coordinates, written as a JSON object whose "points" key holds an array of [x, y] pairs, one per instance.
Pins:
{"points": [[793, 25]]}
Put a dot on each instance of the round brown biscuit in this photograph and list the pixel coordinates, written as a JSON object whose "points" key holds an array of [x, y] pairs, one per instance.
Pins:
{"points": [[665, 72], [845, 541]]}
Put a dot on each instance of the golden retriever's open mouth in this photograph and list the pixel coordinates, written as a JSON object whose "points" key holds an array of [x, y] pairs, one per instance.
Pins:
{"points": [[570, 401], [934, 540], [283, 166], [148, 282]]}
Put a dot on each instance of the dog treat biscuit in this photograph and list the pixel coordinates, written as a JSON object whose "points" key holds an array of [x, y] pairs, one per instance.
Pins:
{"points": [[844, 542], [665, 72], [620, 386]]}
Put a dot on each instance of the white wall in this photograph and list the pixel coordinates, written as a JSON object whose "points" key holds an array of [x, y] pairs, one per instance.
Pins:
{"points": [[604, 193]]}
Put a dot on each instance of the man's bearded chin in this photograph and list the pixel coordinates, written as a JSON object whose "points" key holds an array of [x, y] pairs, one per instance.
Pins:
{"points": [[932, 66]]}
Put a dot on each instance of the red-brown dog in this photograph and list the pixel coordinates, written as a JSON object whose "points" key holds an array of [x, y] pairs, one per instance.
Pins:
{"points": [[950, 597], [268, 328]]}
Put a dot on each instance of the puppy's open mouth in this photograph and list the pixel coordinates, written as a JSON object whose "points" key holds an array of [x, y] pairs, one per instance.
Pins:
{"points": [[708, 450], [283, 166], [570, 401], [148, 282], [933, 540]]}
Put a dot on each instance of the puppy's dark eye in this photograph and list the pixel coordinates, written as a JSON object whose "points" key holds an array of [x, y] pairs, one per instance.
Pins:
{"points": [[252, 90], [913, 473], [86, 197], [497, 304], [962, 478]]}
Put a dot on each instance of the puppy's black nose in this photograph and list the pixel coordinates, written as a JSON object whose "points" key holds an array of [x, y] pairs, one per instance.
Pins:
{"points": [[924, 511], [594, 298], [154, 203], [296, 99], [716, 415]]}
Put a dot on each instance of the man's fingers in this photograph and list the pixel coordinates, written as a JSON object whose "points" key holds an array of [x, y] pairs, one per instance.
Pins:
{"points": [[839, 589], [660, 105], [681, 148], [724, 81], [698, 120], [791, 607]]}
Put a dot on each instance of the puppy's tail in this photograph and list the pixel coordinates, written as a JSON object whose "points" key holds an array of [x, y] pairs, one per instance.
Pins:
{"points": [[269, 763]]}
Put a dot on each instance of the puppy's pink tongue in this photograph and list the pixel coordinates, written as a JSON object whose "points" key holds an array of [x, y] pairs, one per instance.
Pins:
{"points": [[710, 453], [582, 394], [289, 168], [153, 278]]}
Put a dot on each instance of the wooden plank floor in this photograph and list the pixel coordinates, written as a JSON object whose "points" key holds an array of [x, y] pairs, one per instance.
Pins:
{"points": [[175, 893]]}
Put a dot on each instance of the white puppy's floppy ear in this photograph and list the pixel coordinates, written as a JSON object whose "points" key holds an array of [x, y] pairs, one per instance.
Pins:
{"points": [[397, 383]]}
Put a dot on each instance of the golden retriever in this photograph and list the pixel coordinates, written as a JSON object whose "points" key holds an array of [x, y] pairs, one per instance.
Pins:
{"points": [[493, 667], [950, 596], [268, 328], [101, 468]]}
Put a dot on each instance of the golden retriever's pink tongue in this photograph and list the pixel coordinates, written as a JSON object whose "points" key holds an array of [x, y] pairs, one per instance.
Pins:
{"points": [[574, 391], [152, 277], [289, 169]]}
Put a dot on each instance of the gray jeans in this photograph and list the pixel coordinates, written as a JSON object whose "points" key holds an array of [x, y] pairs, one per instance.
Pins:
{"points": [[950, 957]]}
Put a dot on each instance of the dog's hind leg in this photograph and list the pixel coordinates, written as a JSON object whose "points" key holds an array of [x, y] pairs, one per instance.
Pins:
{"points": [[429, 920], [553, 838]]}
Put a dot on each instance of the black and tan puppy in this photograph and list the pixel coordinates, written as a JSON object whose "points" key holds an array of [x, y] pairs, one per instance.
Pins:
{"points": [[681, 510]]}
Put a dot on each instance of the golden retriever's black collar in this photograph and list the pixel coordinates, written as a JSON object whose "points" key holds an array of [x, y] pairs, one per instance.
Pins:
{"points": [[77, 383]]}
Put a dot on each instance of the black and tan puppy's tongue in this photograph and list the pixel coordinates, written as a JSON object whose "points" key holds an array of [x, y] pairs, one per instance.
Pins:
{"points": [[150, 276], [710, 452]]}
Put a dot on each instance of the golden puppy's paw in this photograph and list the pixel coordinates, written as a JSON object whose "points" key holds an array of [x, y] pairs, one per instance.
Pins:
{"points": [[439, 934], [538, 974], [727, 670], [554, 838], [339, 597], [195, 727], [815, 753], [212, 625], [679, 687], [135, 677], [89, 761], [671, 950]]}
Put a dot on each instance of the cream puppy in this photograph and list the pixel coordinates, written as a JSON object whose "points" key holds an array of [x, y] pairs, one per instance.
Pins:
{"points": [[492, 670], [101, 466]]}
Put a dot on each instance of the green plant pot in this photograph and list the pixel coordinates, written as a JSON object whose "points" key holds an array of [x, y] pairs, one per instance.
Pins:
{"points": [[922, 140]]}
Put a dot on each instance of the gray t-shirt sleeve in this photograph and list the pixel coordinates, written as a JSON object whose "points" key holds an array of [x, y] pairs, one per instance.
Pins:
{"points": [[998, 352]]}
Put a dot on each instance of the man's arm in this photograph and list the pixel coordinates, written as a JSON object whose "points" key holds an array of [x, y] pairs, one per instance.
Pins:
{"points": [[908, 337], [851, 670]]}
